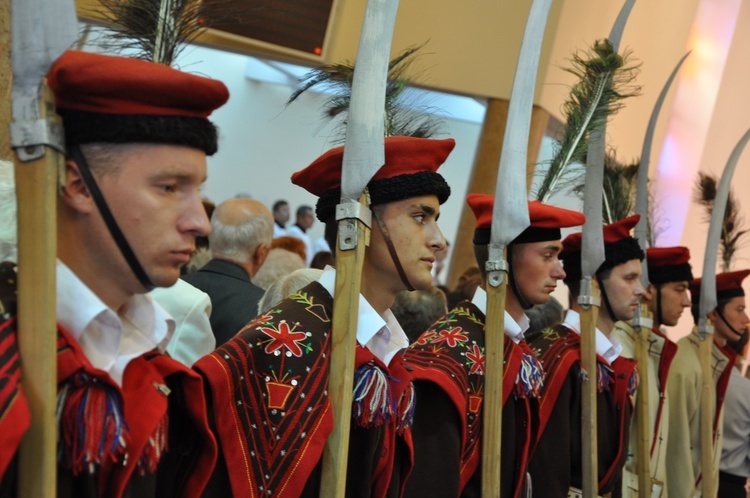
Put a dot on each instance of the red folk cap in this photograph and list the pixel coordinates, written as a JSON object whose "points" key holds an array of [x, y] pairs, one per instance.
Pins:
{"points": [[103, 98], [410, 170], [120, 85], [728, 285], [546, 220], [668, 264], [613, 232]]}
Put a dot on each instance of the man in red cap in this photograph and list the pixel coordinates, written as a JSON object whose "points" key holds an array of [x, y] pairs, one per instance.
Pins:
{"points": [[555, 466], [686, 378], [667, 297], [129, 210], [273, 375], [448, 360]]}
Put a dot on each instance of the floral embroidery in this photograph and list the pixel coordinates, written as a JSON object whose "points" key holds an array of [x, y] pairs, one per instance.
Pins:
{"points": [[475, 359], [451, 337], [284, 337], [426, 337]]}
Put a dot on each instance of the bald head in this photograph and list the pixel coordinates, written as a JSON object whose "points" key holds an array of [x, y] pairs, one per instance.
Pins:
{"points": [[239, 227]]}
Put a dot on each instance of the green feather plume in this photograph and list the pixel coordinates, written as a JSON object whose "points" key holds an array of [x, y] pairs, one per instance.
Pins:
{"points": [[618, 189], [156, 30], [605, 80], [402, 114], [733, 229]]}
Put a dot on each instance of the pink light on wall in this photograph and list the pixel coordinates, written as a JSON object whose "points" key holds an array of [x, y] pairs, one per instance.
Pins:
{"points": [[692, 109]]}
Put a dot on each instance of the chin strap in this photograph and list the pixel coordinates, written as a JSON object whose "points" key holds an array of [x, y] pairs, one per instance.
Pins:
{"points": [[109, 220], [721, 315], [605, 300], [525, 304], [391, 249]]}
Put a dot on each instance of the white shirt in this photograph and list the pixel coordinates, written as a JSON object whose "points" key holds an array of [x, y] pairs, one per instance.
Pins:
{"points": [[380, 334], [608, 348], [514, 330], [110, 340]]}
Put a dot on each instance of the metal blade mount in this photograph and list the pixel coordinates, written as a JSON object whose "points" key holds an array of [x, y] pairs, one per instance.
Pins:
{"points": [[708, 299], [641, 196], [364, 151], [510, 213]]}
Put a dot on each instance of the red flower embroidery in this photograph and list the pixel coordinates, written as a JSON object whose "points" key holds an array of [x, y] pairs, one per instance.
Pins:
{"points": [[260, 320], [425, 338], [284, 337], [451, 337], [476, 360]]}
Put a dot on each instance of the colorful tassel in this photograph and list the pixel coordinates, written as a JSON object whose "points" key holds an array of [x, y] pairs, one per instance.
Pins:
{"points": [[406, 409], [155, 447], [373, 403], [633, 382], [530, 378], [604, 377], [89, 418]]}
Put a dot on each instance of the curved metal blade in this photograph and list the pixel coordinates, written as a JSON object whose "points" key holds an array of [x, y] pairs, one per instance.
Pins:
{"points": [[364, 151], [615, 36], [41, 30], [708, 282], [510, 213], [641, 196]]}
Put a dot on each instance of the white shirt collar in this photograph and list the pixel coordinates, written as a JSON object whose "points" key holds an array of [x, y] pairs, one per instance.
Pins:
{"points": [[382, 335], [110, 340], [514, 330], [608, 348]]}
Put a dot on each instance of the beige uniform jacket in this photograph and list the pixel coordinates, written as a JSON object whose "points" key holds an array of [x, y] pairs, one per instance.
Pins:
{"points": [[661, 353], [684, 391]]}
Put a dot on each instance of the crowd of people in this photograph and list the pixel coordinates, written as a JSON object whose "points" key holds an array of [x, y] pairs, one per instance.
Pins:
{"points": [[213, 381]]}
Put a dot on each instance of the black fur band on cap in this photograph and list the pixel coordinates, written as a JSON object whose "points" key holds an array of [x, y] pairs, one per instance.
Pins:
{"points": [[722, 295], [615, 254], [89, 127], [670, 273], [388, 190], [531, 234]]}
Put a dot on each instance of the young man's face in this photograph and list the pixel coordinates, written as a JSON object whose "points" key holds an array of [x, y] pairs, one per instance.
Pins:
{"points": [[154, 197], [624, 289], [674, 299], [306, 220], [413, 229], [537, 269], [281, 214], [734, 314]]}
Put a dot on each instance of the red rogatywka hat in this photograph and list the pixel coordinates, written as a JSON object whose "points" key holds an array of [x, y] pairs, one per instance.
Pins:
{"points": [[668, 264], [619, 247], [728, 285], [410, 170], [111, 99], [546, 220]]}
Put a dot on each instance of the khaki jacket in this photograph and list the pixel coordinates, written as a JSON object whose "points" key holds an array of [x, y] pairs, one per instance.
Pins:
{"points": [[661, 353], [684, 391]]}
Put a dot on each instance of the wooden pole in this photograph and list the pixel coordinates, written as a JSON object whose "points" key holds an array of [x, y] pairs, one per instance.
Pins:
{"points": [[343, 351], [589, 317], [708, 406], [36, 190], [492, 424], [643, 423]]}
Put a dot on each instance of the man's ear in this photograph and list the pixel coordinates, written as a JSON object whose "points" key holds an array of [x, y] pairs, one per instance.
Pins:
{"points": [[260, 254], [649, 292], [73, 189], [713, 315]]}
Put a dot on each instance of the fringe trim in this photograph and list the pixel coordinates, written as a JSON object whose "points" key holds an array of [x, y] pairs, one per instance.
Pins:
{"points": [[530, 378], [604, 376], [155, 447], [373, 403], [89, 418], [406, 409]]}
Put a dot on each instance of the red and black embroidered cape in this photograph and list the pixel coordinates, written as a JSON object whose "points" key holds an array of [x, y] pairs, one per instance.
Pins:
{"points": [[273, 415], [157, 392], [556, 462], [448, 361]]}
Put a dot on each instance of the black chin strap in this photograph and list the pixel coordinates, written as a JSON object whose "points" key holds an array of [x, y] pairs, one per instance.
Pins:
{"points": [[658, 305], [525, 304], [391, 249], [109, 220], [721, 315], [605, 300]]}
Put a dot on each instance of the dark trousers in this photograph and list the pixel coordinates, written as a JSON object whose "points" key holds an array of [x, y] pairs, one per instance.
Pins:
{"points": [[731, 486]]}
